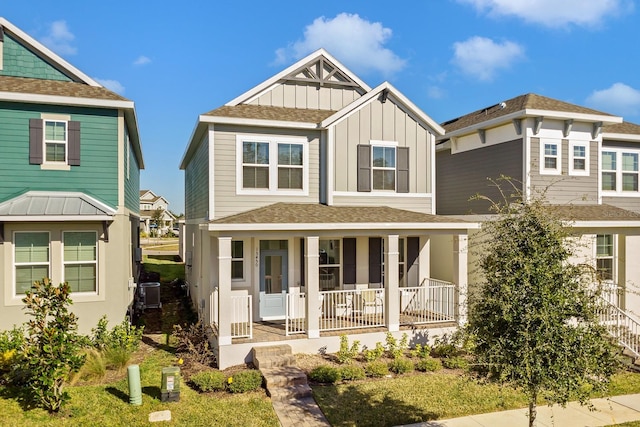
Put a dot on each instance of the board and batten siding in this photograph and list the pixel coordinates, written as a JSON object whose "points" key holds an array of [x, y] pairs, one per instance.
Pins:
{"points": [[227, 202], [379, 121], [196, 183], [97, 174], [463, 175], [307, 96], [565, 188], [19, 61]]}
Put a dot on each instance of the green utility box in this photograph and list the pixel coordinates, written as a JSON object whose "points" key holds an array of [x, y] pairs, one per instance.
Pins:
{"points": [[170, 390]]}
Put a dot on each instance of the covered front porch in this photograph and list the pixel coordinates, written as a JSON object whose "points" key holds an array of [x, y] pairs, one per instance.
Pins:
{"points": [[364, 271]]}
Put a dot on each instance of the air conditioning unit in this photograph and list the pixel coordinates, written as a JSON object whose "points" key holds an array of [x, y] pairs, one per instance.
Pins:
{"points": [[149, 295]]}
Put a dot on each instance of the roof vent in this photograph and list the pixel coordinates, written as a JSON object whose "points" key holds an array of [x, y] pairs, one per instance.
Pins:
{"points": [[503, 105]]}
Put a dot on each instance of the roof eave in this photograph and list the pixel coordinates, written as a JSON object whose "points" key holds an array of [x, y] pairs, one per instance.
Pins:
{"points": [[65, 100], [55, 218], [621, 136], [343, 226]]}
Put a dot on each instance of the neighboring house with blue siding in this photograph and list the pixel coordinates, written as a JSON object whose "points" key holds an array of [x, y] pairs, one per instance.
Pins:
{"points": [[310, 209], [69, 184], [585, 161]]}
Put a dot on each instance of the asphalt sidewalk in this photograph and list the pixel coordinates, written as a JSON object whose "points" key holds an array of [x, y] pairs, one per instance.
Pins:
{"points": [[614, 410]]}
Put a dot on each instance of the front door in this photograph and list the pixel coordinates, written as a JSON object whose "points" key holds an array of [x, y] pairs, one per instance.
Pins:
{"points": [[273, 283]]}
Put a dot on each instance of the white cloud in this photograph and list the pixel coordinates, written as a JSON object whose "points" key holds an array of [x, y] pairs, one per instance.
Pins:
{"points": [[355, 41], [481, 57], [112, 85], [435, 92], [618, 99], [142, 60], [554, 13], [60, 39]]}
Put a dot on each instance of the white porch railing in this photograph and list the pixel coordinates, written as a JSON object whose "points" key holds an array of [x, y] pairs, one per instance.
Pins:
{"points": [[213, 309], [624, 328], [352, 309], [431, 303], [242, 316], [296, 319]]}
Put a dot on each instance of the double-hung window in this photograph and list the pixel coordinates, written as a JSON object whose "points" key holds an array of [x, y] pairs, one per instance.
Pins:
{"points": [[604, 256], [80, 260], [578, 158], [31, 259], [550, 157], [272, 165], [237, 260], [329, 264], [383, 168], [55, 141], [619, 171]]}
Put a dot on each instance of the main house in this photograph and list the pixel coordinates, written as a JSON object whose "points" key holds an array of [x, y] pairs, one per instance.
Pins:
{"points": [[149, 204], [584, 161], [69, 184], [310, 212]]}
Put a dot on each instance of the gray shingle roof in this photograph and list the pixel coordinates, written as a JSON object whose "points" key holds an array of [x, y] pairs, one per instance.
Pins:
{"points": [[53, 203], [624, 128], [56, 88], [519, 103], [261, 112], [593, 213]]}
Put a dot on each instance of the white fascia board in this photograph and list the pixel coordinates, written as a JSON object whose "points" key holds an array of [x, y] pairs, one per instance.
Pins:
{"points": [[373, 93], [621, 137], [267, 84], [65, 100], [46, 53], [576, 116], [345, 226], [604, 224], [256, 122], [56, 218]]}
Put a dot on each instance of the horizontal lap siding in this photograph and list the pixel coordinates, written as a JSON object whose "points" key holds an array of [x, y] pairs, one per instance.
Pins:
{"points": [[196, 181], [415, 204], [97, 174], [132, 183], [227, 202], [463, 175], [566, 188]]}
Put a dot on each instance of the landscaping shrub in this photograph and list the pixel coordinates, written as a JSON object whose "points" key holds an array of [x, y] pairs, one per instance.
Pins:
{"points": [[447, 346], [95, 366], [118, 344], [192, 344], [428, 364], [209, 380], [245, 381], [346, 354], [325, 374], [376, 369], [371, 355], [351, 372], [396, 349], [10, 344], [455, 363], [400, 366], [421, 351]]}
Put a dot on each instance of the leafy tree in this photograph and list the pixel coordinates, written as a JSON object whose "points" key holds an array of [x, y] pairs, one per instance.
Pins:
{"points": [[157, 219], [52, 348], [534, 321]]}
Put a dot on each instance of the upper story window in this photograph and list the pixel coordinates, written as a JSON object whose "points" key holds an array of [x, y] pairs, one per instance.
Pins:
{"points": [[620, 171], [578, 158], [272, 165], [383, 166], [54, 142], [80, 260], [31, 259], [550, 157]]}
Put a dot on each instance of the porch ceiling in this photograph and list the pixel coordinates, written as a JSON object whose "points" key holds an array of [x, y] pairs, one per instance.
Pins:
{"points": [[307, 216]]}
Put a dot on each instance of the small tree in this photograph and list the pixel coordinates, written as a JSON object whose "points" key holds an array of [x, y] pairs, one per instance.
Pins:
{"points": [[157, 219], [52, 348], [534, 322]]}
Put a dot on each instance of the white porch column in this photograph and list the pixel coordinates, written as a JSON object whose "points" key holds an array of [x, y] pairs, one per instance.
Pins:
{"points": [[312, 285], [424, 259], [631, 284], [224, 291], [391, 286], [460, 275]]}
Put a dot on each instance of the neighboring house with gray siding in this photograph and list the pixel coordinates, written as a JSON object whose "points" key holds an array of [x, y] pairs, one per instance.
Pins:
{"points": [[69, 184], [310, 204], [585, 161]]}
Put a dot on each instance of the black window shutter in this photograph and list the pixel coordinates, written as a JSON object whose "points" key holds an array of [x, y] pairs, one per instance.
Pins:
{"points": [[364, 167], [74, 143], [349, 257], [375, 260], [35, 141], [402, 170]]}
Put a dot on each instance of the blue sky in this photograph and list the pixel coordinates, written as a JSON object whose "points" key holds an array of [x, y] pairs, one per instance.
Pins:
{"points": [[176, 60]]}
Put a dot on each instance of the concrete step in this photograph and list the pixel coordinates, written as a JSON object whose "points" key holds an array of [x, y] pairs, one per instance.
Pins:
{"points": [[274, 361], [280, 394], [271, 350], [283, 376]]}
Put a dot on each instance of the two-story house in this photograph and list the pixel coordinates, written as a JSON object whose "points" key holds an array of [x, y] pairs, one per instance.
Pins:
{"points": [[584, 161], [69, 183], [149, 204], [310, 209]]}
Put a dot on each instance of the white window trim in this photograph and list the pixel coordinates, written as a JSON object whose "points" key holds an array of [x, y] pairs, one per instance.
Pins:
{"points": [[45, 141], [613, 257], [15, 293], [572, 170], [618, 191], [244, 263], [96, 261], [273, 165], [384, 144], [558, 169]]}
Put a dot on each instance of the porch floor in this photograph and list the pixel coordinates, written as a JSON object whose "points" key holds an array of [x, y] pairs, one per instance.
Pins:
{"points": [[267, 331]]}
